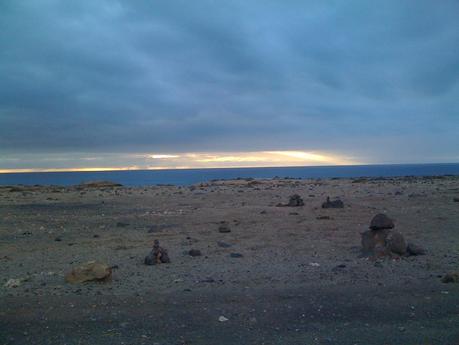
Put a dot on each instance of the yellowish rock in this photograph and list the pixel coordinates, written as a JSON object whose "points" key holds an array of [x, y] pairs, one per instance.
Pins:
{"points": [[89, 271]]}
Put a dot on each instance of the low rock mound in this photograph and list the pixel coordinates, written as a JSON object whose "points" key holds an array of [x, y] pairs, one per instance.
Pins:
{"points": [[333, 203], [294, 201]]}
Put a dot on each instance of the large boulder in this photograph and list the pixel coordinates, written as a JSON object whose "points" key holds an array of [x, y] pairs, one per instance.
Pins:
{"points": [[372, 239], [381, 222], [395, 243], [89, 271], [383, 242]]}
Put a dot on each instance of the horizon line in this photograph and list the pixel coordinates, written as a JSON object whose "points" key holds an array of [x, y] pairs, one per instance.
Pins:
{"points": [[116, 169]]}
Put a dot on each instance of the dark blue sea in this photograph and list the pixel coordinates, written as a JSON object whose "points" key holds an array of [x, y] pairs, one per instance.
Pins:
{"points": [[191, 176]]}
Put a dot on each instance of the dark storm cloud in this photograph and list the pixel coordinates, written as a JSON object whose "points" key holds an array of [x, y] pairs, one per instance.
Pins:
{"points": [[376, 80]]}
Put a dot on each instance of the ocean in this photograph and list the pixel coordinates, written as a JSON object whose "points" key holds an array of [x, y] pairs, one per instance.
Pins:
{"points": [[192, 176]]}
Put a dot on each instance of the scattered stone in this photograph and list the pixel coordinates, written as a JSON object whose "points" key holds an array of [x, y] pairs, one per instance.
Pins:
{"points": [[263, 212], [121, 225], [208, 280], [323, 217], [360, 180], [224, 228], [222, 319], [194, 252], [160, 227], [415, 249], [451, 277], [293, 214], [89, 271], [381, 222], [338, 268], [14, 283], [158, 255], [395, 242], [95, 236], [58, 239], [333, 203], [223, 244], [295, 201], [236, 255]]}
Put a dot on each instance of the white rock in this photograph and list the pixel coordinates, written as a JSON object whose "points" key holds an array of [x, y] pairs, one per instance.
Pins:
{"points": [[222, 319], [13, 283]]}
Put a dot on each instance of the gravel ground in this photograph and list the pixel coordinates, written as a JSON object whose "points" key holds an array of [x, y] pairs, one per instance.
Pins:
{"points": [[300, 277]]}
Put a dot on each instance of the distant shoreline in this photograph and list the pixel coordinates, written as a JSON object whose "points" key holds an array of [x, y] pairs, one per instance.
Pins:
{"points": [[57, 171], [184, 177]]}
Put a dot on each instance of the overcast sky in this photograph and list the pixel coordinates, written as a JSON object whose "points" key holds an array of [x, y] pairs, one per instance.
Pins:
{"points": [[372, 82]]}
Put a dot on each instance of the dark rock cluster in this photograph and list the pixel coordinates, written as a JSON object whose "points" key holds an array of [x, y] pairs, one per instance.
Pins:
{"points": [[294, 201], [333, 203], [158, 255], [383, 240]]}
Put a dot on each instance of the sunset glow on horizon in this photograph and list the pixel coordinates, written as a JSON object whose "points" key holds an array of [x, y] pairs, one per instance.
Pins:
{"points": [[191, 160]]}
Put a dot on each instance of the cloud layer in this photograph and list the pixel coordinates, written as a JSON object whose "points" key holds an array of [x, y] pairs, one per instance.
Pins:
{"points": [[376, 81]]}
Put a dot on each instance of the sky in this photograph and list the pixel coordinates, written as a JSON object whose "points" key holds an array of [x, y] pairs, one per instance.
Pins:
{"points": [[94, 85]]}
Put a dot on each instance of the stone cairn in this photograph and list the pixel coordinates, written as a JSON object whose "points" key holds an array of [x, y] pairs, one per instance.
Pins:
{"points": [[382, 240]]}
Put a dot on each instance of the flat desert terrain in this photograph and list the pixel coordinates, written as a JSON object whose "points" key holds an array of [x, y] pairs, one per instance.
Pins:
{"points": [[265, 274]]}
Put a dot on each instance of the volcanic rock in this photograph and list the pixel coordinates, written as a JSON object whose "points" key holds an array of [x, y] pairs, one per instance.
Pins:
{"points": [[415, 249], [451, 277], [295, 200], [372, 238], [381, 222], [395, 242], [332, 203], [194, 252], [224, 228], [158, 255]]}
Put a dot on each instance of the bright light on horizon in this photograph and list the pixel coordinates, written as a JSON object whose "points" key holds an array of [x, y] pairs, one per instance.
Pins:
{"points": [[188, 160]]}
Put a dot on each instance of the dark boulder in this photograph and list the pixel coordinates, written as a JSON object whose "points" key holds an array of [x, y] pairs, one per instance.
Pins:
{"points": [[194, 252], [224, 228], [395, 243], [381, 222]]}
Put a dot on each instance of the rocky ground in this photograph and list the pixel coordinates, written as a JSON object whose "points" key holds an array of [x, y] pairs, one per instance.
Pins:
{"points": [[267, 273]]}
